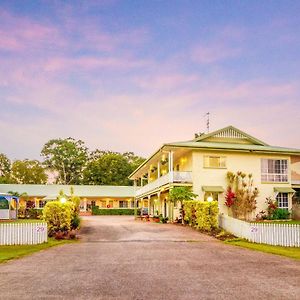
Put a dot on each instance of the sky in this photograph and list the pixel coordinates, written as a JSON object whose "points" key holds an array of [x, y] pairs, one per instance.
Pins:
{"points": [[132, 75]]}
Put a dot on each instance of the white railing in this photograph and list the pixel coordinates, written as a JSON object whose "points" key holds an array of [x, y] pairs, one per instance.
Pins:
{"points": [[23, 233], [263, 233], [171, 177], [295, 181]]}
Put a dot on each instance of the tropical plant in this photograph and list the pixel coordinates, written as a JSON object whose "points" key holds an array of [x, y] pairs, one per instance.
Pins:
{"points": [[241, 194]]}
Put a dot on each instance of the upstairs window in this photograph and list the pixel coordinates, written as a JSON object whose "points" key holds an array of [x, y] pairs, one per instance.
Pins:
{"points": [[274, 170], [215, 162]]}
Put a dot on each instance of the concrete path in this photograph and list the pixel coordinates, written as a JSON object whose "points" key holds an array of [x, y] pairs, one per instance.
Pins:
{"points": [[119, 258]]}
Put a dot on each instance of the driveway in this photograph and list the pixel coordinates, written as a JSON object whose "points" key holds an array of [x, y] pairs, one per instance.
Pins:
{"points": [[119, 258]]}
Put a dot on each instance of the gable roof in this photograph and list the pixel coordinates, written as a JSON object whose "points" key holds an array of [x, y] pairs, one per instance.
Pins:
{"points": [[231, 133], [43, 190], [229, 138]]}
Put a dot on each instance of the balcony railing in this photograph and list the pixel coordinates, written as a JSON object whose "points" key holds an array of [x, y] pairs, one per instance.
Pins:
{"points": [[171, 177], [296, 182]]}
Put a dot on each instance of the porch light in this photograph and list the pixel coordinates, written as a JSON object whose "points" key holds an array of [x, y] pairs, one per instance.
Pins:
{"points": [[63, 200], [210, 199]]}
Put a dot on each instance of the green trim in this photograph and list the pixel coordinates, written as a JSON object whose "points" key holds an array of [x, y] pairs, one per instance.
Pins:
{"points": [[284, 190], [248, 136], [213, 189]]}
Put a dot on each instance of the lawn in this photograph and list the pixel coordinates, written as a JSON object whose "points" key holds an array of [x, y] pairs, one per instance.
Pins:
{"points": [[292, 252], [21, 221], [297, 222], [17, 251]]}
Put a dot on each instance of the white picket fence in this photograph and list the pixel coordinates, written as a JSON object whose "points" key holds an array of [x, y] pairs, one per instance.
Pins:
{"points": [[23, 233], [263, 233]]}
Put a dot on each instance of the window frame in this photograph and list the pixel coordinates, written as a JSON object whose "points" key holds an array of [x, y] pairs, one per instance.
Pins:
{"points": [[207, 164], [282, 198], [280, 172]]}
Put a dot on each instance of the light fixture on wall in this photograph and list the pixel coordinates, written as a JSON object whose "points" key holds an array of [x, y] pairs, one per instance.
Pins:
{"points": [[63, 200], [210, 198]]}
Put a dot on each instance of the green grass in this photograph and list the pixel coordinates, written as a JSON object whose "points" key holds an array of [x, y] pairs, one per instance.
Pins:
{"points": [[280, 222], [17, 251], [291, 252], [21, 221]]}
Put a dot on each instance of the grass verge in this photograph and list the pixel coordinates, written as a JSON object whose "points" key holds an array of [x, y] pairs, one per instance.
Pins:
{"points": [[17, 251], [291, 252], [21, 221]]}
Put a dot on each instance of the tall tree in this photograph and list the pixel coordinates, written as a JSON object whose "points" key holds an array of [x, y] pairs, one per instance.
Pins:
{"points": [[28, 172], [108, 169], [66, 156], [5, 167]]}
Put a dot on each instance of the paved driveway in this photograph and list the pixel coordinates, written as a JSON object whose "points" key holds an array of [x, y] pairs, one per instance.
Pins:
{"points": [[119, 258]]}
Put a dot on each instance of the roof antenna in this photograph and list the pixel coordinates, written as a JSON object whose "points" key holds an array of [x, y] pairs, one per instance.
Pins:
{"points": [[207, 121]]}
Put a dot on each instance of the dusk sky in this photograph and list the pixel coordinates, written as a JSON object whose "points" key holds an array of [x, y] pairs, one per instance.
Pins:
{"points": [[131, 75]]}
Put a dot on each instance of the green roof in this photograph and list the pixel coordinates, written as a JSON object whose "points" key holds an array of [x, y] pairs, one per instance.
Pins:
{"points": [[284, 190], [217, 141], [235, 147], [43, 190], [212, 189]]}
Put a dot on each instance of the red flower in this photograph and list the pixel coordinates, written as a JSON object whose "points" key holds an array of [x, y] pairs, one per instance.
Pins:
{"points": [[230, 197]]}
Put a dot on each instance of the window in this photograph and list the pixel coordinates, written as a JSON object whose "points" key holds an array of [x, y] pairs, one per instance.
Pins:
{"points": [[42, 203], [274, 170], [93, 203], [216, 162], [283, 200], [103, 203], [132, 204], [123, 204]]}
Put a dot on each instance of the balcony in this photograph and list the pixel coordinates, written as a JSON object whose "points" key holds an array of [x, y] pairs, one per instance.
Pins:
{"points": [[171, 177]]}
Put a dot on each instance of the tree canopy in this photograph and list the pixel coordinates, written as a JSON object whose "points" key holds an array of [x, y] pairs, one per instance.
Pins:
{"points": [[28, 172], [110, 168], [5, 168], [66, 156]]}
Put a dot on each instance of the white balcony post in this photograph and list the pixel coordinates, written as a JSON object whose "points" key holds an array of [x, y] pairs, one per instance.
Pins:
{"points": [[158, 169], [171, 165], [149, 174]]}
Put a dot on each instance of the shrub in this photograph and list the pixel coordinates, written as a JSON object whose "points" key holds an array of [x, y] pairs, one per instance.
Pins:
{"points": [[58, 216], [280, 214], [201, 215], [113, 211], [33, 213], [75, 222]]}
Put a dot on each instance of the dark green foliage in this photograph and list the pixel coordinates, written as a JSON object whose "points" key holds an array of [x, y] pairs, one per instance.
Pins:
{"points": [[75, 223], [113, 211], [110, 168], [280, 214]]}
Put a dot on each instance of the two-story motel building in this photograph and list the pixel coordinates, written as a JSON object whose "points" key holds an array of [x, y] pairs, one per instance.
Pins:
{"points": [[202, 164]]}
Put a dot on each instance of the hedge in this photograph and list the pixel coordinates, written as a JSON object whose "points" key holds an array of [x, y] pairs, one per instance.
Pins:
{"points": [[112, 211], [201, 215]]}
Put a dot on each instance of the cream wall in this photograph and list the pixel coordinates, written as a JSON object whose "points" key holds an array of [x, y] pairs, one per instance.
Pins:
{"points": [[185, 162], [245, 162]]}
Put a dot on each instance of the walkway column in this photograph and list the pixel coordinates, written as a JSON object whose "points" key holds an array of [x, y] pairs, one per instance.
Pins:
{"points": [[84, 204], [149, 206]]}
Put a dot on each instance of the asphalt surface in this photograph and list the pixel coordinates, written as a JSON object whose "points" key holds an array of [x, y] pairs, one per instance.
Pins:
{"points": [[119, 258]]}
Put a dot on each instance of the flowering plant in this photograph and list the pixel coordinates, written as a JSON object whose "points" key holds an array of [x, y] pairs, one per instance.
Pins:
{"points": [[230, 197]]}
